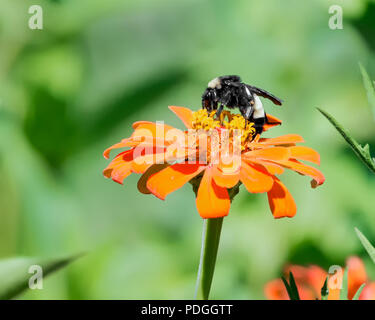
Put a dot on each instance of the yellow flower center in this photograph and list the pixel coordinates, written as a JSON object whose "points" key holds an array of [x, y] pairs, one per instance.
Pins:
{"points": [[202, 119]]}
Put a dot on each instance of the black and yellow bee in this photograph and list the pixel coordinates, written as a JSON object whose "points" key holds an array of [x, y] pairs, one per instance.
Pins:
{"points": [[230, 92]]}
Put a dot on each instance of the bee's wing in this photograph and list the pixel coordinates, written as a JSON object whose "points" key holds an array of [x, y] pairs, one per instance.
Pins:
{"points": [[265, 94]]}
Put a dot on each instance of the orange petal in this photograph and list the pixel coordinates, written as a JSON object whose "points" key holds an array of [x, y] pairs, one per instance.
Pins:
{"points": [[255, 178], [316, 277], [136, 124], [150, 131], [119, 168], [185, 115], [368, 292], [272, 168], [305, 153], [272, 153], [212, 201], [356, 275], [275, 290], [148, 157], [142, 182], [306, 279], [299, 272], [272, 122], [334, 294], [142, 167], [149, 125], [281, 201], [225, 180], [304, 170], [124, 143], [285, 139], [172, 178]]}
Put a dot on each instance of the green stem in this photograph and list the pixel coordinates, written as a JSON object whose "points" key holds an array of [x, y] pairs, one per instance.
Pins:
{"points": [[210, 245]]}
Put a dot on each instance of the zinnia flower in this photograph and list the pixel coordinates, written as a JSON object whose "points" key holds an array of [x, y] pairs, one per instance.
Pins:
{"points": [[310, 280], [216, 156]]}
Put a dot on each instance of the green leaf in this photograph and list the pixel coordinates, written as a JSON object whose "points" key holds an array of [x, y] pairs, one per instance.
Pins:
{"points": [[15, 275], [366, 244], [363, 153], [344, 286], [359, 291], [291, 287], [370, 89], [324, 291], [287, 287]]}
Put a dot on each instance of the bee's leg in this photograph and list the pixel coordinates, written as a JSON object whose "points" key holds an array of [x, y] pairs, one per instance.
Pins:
{"points": [[246, 111], [214, 99], [219, 111], [226, 97]]}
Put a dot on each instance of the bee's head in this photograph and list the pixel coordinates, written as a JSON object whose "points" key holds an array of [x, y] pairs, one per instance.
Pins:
{"points": [[219, 82]]}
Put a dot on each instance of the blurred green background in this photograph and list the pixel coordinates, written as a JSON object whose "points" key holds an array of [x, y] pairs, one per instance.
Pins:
{"points": [[69, 91]]}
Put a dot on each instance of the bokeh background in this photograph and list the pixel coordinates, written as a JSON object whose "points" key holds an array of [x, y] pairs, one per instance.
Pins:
{"points": [[72, 89]]}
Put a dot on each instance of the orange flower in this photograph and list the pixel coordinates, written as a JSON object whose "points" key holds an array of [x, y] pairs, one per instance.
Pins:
{"points": [[310, 280], [216, 156]]}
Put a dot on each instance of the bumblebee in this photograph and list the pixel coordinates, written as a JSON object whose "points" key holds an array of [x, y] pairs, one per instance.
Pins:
{"points": [[230, 92]]}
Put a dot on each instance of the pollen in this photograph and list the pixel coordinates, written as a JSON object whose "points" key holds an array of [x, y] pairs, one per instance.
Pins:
{"points": [[238, 122], [202, 119]]}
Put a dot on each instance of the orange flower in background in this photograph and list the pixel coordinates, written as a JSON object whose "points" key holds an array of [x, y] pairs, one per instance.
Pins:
{"points": [[232, 155], [310, 280]]}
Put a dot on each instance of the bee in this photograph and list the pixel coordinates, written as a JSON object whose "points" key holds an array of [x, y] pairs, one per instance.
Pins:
{"points": [[230, 92]]}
